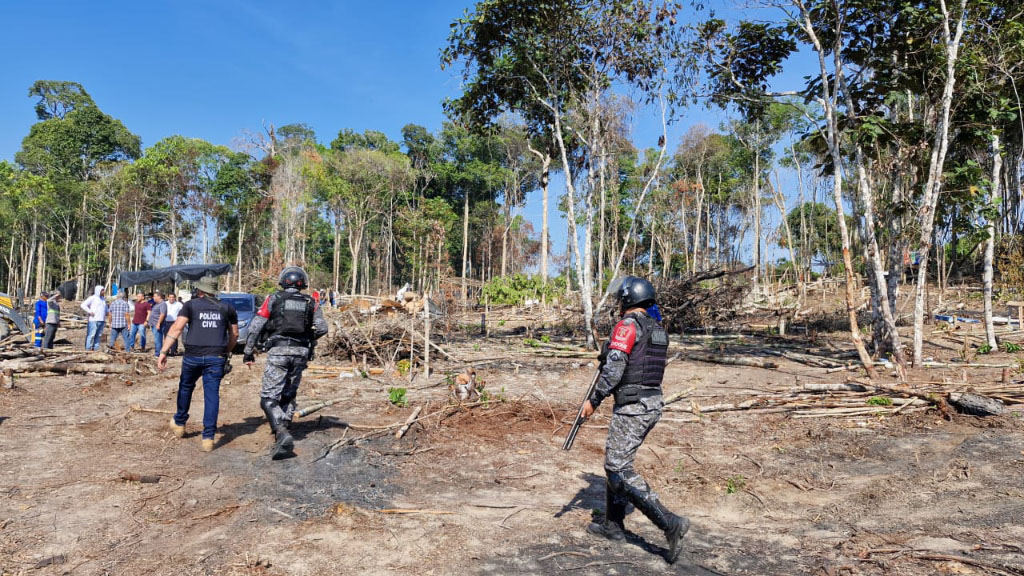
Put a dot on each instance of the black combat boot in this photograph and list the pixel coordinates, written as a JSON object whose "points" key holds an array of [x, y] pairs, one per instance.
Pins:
{"points": [[283, 443], [675, 527], [286, 403], [614, 515]]}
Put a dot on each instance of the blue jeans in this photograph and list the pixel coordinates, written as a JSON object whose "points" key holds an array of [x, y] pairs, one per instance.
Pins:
{"points": [[158, 340], [136, 329], [94, 335], [211, 368], [121, 332]]}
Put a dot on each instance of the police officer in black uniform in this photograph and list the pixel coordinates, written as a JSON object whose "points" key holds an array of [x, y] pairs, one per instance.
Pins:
{"points": [[631, 371], [212, 333], [289, 322]]}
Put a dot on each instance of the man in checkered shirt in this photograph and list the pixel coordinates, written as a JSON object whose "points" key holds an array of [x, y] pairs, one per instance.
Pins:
{"points": [[119, 314]]}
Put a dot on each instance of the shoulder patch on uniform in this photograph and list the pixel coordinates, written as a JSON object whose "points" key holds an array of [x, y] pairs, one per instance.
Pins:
{"points": [[265, 308], [623, 337]]}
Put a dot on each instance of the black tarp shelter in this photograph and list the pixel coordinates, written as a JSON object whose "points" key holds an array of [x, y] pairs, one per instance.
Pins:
{"points": [[178, 273]]}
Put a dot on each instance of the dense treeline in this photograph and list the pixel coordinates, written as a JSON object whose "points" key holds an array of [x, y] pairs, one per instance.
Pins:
{"points": [[899, 140]]}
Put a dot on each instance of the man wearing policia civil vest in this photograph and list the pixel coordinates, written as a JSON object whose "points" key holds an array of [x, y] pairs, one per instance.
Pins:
{"points": [[290, 322], [632, 369]]}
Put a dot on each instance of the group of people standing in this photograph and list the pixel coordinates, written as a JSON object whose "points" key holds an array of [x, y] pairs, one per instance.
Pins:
{"points": [[128, 320]]}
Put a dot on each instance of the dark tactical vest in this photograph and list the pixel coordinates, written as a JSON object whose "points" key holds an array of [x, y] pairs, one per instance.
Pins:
{"points": [[291, 319], [646, 364]]}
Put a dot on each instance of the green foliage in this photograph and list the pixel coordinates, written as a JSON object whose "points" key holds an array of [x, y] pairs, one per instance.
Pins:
{"points": [[486, 397], [516, 289], [403, 366], [879, 401], [397, 397], [984, 349], [545, 338], [734, 484], [531, 343], [1011, 348]]}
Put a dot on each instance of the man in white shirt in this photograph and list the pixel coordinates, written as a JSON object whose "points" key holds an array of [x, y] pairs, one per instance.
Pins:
{"points": [[96, 308], [173, 307]]}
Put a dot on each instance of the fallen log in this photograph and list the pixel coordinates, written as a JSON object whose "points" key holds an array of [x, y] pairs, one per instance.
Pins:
{"points": [[834, 387], [66, 367], [732, 360], [975, 404], [930, 397]]}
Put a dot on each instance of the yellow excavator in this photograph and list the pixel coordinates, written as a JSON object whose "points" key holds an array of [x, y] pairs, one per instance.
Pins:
{"points": [[11, 320]]}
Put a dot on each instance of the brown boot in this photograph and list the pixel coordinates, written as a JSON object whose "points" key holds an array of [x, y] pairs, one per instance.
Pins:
{"points": [[178, 431]]}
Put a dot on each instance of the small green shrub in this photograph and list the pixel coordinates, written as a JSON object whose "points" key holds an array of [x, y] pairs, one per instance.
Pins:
{"points": [[735, 483], [397, 397], [531, 343], [879, 401], [986, 349], [1011, 348], [545, 338], [517, 289], [403, 366]]}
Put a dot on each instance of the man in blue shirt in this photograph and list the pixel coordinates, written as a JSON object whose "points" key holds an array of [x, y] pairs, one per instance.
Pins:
{"points": [[39, 318]]}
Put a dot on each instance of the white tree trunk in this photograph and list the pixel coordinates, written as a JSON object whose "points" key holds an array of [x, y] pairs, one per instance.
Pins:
{"points": [[827, 100], [990, 243], [465, 244], [936, 163]]}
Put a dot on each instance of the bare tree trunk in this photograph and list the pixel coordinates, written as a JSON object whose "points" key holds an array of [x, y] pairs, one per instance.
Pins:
{"points": [[110, 250], [936, 162], [700, 207], [780, 202], [30, 261], [757, 211], [465, 244], [827, 99], [990, 243], [238, 256], [587, 302], [545, 174], [804, 264], [41, 266], [355, 242], [602, 166]]}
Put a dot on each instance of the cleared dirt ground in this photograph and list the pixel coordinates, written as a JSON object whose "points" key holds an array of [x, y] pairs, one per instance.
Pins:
{"points": [[487, 489]]}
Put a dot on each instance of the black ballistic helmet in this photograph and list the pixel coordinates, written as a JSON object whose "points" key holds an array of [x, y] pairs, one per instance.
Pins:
{"points": [[293, 277], [635, 292]]}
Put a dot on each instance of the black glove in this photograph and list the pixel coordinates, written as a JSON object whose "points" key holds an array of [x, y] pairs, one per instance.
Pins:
{"points": [[248, 357]]}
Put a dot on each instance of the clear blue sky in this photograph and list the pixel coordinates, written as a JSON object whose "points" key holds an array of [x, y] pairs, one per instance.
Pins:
{"points": [[215, 69]]}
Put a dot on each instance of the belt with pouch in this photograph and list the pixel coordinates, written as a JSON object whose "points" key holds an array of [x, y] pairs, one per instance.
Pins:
{"points": [[633, 394]]}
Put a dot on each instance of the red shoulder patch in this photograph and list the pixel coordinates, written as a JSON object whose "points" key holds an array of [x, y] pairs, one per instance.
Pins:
{"points": [[623, 337], [265, 308]]}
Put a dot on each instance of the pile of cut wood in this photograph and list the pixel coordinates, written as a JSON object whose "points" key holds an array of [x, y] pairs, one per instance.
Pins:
{"points": [[23, 360], [703, 299], [405, 302]]}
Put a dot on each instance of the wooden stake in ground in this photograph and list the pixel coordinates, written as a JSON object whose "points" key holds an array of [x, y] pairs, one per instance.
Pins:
{"points": [[405, 427]]}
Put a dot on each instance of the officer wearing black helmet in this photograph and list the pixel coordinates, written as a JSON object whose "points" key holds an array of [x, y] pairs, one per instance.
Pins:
{"points": [[289, 322], [632, 369]]}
